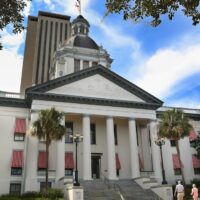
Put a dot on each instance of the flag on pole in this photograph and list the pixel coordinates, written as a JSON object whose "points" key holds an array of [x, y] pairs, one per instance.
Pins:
{"points": [[78, 5]]}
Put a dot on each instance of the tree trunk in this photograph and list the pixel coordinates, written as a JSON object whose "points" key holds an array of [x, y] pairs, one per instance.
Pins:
{"points": [[47, 164], [179, 158]]}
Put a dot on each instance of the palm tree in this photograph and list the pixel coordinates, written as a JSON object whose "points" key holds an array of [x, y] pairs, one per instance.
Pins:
{"points": [[48, 127], [174, 126]]}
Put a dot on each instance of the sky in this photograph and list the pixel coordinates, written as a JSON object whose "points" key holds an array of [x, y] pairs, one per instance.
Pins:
{"points": [[164, 61]]}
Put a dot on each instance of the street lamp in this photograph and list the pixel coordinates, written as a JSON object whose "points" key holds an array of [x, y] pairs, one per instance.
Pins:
{"points": [[160, 142], [76, 138]]}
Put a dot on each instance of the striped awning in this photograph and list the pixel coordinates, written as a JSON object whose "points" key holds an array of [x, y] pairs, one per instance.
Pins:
{"points": [[20, 125], [69, 160], [192, 135], [42, 160], [195, 161], [17, 159], [118, 164], [176, 163]]}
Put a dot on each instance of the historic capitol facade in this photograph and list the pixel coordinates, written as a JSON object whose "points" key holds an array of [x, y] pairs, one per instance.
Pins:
{"points": [[65, 68]]}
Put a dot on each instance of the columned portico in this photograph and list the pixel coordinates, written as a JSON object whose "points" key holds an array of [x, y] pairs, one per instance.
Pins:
{"points": [[111, 149], [31, 160], [135, 172], [86, 148], [60, 156], [155, 151]]}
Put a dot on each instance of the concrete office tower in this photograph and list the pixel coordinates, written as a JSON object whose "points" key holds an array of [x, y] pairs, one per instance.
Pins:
{"points": [[44, 34]]}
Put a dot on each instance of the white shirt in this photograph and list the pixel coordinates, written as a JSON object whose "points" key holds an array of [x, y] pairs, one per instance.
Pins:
{"points": [[179, 188]]}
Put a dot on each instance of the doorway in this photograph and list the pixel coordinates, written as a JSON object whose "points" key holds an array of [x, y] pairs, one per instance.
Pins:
{"points": [[96, 165]]}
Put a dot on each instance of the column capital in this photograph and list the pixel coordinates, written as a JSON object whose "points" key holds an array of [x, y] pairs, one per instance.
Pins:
{"points": [[109, 117], [131, 118], [86, 115]]}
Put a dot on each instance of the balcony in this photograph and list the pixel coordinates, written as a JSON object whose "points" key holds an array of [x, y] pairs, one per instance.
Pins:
{"points": [[11, 95]]}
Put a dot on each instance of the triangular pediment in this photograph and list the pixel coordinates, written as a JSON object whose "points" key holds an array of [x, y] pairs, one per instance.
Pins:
{"points": [[96, 86]]}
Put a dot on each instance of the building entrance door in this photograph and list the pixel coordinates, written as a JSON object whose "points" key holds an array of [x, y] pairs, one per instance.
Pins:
{"points": [[96, 163]]}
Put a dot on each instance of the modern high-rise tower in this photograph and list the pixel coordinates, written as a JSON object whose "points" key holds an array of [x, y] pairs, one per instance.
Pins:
{"points": [[44, 34]]}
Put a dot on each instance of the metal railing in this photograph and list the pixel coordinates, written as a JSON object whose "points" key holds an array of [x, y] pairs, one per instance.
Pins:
{"points": [[114, 186], [11, 95]]}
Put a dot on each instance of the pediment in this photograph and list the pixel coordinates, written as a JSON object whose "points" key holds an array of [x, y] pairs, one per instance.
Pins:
{"points": [[96, 86]]}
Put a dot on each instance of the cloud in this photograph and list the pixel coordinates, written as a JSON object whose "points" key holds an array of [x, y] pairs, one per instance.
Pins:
{"points": [[10, 67], [11, 61], [166, 67], [27, 9], [50, 4]]}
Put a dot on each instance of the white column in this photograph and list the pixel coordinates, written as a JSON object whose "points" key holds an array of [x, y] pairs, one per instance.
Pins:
{"points": [[155, 151], [111, 149], [32, 160], [135, 172], [60, 156], [86, 148]]}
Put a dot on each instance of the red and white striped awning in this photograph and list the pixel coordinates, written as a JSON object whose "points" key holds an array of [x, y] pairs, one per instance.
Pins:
{"points": [[17, 159], [42, 160], [195, 161], [192, 135], [20, 125], [118, 164], [69, 160], [176, 163]]}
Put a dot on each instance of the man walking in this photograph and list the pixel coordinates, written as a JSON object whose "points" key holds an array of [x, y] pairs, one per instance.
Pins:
{"points": [[179, 190]]}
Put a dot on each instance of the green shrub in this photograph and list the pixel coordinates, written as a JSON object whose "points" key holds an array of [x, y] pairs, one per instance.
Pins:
{"points": [[54, 193], [10, 197]]}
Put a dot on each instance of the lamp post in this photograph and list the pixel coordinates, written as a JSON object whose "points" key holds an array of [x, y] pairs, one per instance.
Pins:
{"points": [[76, 138], [160, 142]]}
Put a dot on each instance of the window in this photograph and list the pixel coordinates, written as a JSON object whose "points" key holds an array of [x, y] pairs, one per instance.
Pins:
{"points": [[115, 134], [17, 163], [15, 188], [69, 127], [81, 28], [19, 137], [20, 129], [117, 172], [173, 143], [85, 64], [43, 186], [94, 63], [177, 171], [16, 171], [92, 134], [68, 172], [76, 65], [196, 170]]}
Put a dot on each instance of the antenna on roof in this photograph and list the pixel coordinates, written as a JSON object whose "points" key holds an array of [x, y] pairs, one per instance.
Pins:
{"points": [[78, 6]]}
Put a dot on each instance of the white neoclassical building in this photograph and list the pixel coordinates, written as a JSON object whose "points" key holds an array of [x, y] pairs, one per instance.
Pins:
{"points": [[117, 119]]}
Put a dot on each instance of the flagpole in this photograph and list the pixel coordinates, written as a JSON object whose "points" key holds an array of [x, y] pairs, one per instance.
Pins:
{"points": [[80, 7]]}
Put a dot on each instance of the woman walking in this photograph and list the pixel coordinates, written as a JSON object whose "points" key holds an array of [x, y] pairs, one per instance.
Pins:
{"points": [[194, 192]]}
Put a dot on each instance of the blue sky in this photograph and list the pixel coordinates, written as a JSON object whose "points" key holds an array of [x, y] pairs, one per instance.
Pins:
{"points": [[164, 61]]}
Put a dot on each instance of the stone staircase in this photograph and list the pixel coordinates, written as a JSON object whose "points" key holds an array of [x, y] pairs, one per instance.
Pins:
{"points": [[98, 190], [116, 190]]}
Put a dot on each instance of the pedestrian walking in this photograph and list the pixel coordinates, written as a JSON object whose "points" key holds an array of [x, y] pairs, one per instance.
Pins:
{"points": [[194, 192], [179, 190]]}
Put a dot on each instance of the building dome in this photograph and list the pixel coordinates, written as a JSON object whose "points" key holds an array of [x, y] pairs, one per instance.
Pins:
{"points": [[85, 41], [81, 19]]}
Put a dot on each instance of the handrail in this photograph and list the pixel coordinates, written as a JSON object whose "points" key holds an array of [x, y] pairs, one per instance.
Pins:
{"points": [[115, 186]]}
